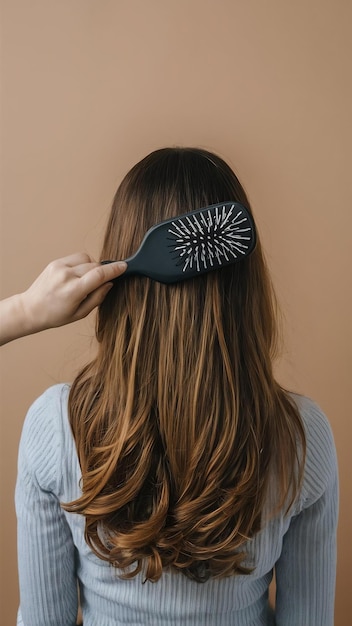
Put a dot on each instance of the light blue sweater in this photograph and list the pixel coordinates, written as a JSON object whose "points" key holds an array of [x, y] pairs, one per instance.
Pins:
{"points": [[53, 554]]}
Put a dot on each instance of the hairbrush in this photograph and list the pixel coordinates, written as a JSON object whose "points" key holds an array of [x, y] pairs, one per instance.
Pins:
{"points": [[190, 245]]}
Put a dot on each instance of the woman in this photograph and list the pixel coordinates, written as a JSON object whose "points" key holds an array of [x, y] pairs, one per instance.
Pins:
{"points": [[175, 459]]}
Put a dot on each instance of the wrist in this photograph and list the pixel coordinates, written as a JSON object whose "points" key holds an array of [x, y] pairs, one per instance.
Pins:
{"points": [[30, 314], [15, 321]]}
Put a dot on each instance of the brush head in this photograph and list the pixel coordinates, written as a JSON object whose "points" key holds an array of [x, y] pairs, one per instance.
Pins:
{"points": [[210, 238], [195, 243]]}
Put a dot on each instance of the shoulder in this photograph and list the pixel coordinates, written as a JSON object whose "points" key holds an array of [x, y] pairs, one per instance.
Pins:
{"points": [[317, 427], [43, 436], [320, 472], [45, 415]]}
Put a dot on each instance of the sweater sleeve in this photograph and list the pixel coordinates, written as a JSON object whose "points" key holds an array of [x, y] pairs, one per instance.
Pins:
{"points": [[305, 571], [46, 553]]}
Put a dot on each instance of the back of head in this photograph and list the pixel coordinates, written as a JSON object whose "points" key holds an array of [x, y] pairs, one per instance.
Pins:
{"points": [[179, 423]]}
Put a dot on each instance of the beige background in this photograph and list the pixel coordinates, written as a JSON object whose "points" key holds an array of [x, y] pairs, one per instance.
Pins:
{"points": [[91, 86]]}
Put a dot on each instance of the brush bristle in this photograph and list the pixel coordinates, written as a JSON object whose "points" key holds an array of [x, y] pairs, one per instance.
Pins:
{"points": [[210, 238]]}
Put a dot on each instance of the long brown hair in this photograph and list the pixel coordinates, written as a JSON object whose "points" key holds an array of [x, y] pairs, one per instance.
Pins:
{"points": [[178, 421]]}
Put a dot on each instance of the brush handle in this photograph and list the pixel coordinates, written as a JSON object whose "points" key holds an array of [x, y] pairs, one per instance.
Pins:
{"points": [[153, 258]]}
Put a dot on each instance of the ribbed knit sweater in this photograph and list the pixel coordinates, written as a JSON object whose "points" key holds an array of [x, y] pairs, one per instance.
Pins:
{"points": [[53, 554]]}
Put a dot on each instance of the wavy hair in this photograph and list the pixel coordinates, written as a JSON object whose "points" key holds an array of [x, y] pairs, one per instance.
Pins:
{"points": [[178, 421]]}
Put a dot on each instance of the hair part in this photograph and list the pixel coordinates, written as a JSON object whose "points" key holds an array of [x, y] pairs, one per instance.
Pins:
{"points": [[179, 423]]}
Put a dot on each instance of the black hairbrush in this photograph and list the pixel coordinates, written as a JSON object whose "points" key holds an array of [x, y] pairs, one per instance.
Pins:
{"points": [[192, 244]]}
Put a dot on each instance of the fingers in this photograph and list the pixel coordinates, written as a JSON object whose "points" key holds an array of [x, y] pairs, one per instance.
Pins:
{"points": [[78, 258], [101, 274], [96, 285], [92, 301], [84, 268]]}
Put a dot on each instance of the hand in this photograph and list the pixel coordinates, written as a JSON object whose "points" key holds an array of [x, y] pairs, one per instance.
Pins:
{"points": [[67, 290]]}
